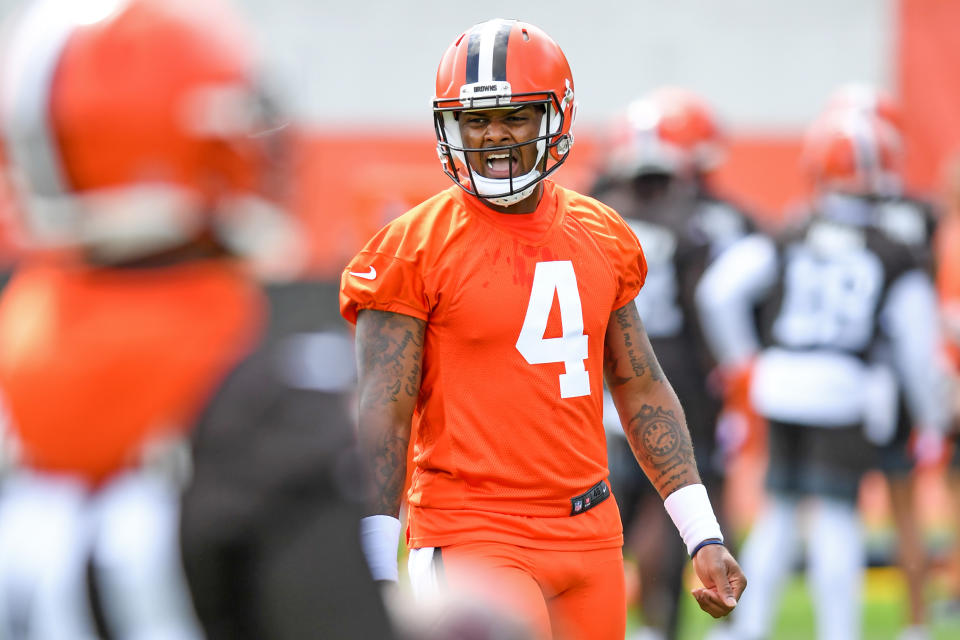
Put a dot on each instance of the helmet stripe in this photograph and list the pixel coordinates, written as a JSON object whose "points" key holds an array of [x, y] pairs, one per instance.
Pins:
{"points": [[487, 51], [498, 65], [473, 57], [32, 54]]}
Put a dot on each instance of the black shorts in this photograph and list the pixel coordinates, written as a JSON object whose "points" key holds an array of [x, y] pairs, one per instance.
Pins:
{"points": [[821, 461]]}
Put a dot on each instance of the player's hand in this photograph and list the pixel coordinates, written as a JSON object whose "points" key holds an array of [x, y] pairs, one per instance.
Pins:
{"points": [[723, 580], [733, 432], [929, 448]]}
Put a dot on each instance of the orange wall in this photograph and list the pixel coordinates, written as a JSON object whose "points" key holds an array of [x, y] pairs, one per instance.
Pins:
{"points": [[929, 86], [352, 183]]}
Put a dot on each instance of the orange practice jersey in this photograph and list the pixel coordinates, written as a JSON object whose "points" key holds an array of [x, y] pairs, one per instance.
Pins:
{"points": [[508, 424], [93, 362]]}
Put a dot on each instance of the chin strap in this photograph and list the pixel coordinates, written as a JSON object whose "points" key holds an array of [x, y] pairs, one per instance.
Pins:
{"points": [[484, 186]]}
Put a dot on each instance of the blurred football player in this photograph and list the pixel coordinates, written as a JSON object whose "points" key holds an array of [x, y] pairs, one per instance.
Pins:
{"points": [[912, 221], [829, 293], [661, 149], [270, 520], [141, 146], [489, 317], [946, 244]]}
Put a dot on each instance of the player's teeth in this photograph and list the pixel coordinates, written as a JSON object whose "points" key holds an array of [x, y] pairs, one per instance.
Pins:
{"points": [[499, 161]]}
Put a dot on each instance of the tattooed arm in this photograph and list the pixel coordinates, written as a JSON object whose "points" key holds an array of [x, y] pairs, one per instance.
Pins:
{"points": [[649, 409], [657, 431], [389, 355]]}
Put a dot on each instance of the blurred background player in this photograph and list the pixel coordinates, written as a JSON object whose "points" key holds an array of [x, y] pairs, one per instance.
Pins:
{"points": [[270, 536], [142, 148], [490, 315], [662, 150], [947, 253], [912, 221], [827, 292]]}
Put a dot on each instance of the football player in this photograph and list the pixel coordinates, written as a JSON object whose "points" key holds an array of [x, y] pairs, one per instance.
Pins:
{"points": [[487, 320], [829, 292], [140, 144], [913, 221], [662, 150], [946, 243]]}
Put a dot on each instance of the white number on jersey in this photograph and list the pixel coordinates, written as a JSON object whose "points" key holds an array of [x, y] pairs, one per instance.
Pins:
{"points": [[571, 348], [658, 302], [829, 302]]}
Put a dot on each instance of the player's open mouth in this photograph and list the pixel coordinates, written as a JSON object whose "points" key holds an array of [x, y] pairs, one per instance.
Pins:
{"points": [[501, 165]]}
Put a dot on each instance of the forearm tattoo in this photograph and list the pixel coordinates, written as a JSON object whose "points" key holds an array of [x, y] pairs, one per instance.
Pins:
{"points": [[661, 442], [388, 473], [640, 358], [390, 350]]}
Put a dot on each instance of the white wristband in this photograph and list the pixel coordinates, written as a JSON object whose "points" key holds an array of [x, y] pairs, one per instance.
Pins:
{"points": [[379, 537], [689, 508]]}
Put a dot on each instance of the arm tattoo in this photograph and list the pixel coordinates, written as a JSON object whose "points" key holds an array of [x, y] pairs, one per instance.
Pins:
{"points": [[662, 443], [611, 364], [390, 350], [388, 474], [642, 361]]}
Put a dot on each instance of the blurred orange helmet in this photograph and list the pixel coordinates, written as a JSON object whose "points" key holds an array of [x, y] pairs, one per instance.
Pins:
{"points": [[853, 152], [129, 123], [668, 130], [868, 100], [690, 123], [504, 64]]}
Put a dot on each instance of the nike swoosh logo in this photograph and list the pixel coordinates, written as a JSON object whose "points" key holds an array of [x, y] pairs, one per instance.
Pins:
{"points": [[369, 275]]}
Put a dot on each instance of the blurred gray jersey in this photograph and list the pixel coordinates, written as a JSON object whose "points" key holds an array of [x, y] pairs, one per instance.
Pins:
{"points": [[825, 293]]}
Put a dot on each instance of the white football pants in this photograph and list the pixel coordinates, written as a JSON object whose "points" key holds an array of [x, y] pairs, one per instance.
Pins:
{"points": [[50, 526]]}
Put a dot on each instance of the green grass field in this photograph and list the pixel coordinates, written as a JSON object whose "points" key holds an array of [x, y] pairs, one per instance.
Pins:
{"points": [[884, 612]]}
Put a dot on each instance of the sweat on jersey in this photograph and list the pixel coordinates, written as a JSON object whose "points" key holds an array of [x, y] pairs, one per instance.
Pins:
{"points": [[508, 425]]}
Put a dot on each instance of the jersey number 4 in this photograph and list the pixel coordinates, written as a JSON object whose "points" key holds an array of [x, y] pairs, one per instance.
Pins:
{"points": [[571, 347]]}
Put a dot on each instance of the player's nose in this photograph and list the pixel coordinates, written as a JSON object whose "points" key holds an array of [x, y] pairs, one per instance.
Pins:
{"points": [[496, 132]]}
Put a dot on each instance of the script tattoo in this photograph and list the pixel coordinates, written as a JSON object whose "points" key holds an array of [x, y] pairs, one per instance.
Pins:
{"points": [[390, 350], [661, 441], [638, 352]]}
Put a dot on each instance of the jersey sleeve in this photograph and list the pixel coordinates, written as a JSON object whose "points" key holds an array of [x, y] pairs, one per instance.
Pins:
{"points": [[378, 280], [628, 261]]}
